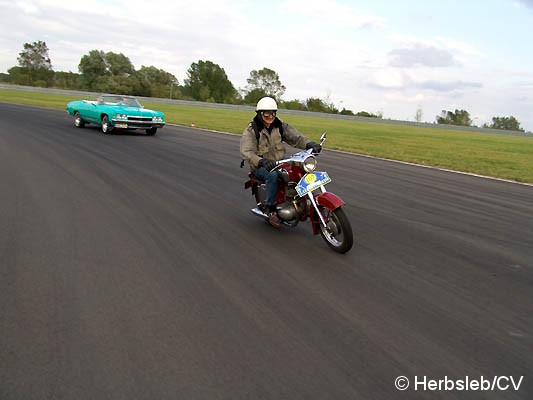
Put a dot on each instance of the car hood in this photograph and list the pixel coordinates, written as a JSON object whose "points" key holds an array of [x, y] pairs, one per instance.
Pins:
{"points": [[138, 112]]}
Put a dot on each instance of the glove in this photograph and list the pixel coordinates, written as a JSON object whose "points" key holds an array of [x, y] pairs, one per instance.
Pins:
{"points": [[267, 164], [315, 146]]}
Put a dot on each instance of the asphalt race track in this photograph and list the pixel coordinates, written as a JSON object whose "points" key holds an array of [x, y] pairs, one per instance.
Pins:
{"points": [[132, 268]]}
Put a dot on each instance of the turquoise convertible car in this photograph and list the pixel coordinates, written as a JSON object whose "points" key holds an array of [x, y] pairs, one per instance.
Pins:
{"points": [[115, 112]]}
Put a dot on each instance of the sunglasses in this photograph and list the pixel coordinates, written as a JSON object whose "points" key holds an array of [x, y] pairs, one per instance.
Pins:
{"points": [[268, 114]]}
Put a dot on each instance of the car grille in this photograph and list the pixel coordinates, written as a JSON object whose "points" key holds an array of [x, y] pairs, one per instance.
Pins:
{"points": [[140, 119]]}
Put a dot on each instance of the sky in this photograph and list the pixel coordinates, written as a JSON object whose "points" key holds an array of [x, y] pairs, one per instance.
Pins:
{"points": [[377, 56]]}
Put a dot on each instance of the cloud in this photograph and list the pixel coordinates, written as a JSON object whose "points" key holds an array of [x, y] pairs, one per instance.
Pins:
{"points": [[421, 55], [332, 14], [442, 86], [398, 97], [396, 79], [527, 3], [388, 78]]}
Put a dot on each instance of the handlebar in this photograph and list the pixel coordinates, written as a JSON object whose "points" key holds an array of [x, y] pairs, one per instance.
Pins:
{"points": [[308, 151]]}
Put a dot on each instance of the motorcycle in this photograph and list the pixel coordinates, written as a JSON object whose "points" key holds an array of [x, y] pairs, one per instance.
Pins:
{"points": [[301, 195]]}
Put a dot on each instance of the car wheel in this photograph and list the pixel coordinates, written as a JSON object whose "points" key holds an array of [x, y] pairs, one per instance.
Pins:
{"points": [[78, 122], [151, 131], [106, 125]]}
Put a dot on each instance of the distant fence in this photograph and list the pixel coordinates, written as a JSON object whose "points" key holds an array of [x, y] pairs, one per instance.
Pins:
{"points": [[287, 112]]}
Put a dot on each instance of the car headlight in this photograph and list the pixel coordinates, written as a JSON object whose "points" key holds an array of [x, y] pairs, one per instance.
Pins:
{"points": [[157, 119], [310, 164], [121, 116]]}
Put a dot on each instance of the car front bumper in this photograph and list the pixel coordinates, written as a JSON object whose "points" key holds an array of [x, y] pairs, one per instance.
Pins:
{"points": [[136, 123]]}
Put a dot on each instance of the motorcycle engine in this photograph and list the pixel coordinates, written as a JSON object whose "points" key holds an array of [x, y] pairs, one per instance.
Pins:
{"points": [[291, 209], [287, 211]]}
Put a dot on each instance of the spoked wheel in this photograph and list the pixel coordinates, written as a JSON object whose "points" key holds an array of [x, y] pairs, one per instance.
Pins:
{"points": [[78, 122], [338, 232], [106, 125]]}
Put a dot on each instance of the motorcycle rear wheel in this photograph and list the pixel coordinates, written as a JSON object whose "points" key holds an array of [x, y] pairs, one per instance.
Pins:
{"points": [[338, 232]]}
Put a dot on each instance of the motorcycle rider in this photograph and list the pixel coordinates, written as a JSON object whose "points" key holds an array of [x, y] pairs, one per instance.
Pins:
{"points": [[262, 145]]}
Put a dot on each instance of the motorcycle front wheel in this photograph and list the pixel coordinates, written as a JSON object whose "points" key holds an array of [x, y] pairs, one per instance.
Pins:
{"points": [[338, 232]]}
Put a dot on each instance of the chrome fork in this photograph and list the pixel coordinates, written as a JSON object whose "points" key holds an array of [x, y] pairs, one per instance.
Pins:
{"points": [[313, 202]]}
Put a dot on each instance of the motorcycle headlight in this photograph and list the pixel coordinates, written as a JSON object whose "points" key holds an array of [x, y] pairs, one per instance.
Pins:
{"points": [[310, 164]]}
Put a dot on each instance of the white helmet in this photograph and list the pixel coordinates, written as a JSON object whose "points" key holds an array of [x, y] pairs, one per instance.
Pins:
{"points": [[266, 104]]}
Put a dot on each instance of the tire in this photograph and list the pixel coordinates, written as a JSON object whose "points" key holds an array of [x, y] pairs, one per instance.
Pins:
{"points": [[338, 234], [106, 125], [151, 131], [78, 122]]}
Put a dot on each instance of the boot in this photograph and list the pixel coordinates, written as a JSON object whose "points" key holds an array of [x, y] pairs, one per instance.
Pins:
{"points": [[273, 218]]}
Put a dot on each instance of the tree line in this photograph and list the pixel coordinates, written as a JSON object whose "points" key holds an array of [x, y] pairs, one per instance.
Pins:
{"points": [[110, 72]]}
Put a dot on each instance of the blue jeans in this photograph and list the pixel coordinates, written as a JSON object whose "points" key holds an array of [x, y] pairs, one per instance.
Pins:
{"points": [[271, 181]]}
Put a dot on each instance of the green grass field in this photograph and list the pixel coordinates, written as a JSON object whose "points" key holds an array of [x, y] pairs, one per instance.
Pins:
{"points": [[501, 156]]}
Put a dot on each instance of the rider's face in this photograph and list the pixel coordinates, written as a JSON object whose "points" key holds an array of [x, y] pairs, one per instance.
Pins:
{"points": [[268, 117]]}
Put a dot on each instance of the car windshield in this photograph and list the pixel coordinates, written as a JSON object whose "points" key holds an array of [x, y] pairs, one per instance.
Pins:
{"points": [[119, 100]]}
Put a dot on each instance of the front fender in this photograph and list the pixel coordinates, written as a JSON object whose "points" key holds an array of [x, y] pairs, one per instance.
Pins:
{"points": [[328, 200]]}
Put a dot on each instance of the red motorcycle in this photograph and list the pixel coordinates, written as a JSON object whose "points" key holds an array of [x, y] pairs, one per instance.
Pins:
{"points": [[301, 195]]}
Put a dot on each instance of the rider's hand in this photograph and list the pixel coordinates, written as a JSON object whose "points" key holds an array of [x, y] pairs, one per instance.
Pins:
{"points": [[315, 146], [267, 164]]}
